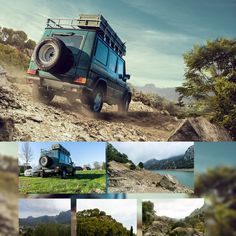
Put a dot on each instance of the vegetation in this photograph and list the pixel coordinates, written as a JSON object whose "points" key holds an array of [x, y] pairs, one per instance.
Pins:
{"points": [[16, 38], [11, 57], [218, 187], [94, 222], [148, 212], [91, 181], [15, 49], [140, 165], [51, 229], [172, 227], [114, 155], [157, 102], [210, 81]]}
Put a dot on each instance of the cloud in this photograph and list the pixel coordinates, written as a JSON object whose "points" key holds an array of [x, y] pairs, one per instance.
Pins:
{"points": [[123, 210], [40, 207], [144, 151], [176, 208]]}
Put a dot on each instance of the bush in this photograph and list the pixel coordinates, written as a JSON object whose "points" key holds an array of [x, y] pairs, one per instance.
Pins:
{"points": [[132, 166]]}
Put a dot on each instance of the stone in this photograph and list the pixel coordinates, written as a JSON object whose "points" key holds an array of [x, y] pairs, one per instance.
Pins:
{"points": [[199, 129]]}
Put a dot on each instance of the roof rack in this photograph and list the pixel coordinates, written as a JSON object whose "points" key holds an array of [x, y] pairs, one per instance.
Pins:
{"points": [[96, 22]]}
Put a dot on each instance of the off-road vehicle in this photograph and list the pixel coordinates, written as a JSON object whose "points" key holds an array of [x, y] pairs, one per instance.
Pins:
{"points": [[56, 161], [80, 59]]}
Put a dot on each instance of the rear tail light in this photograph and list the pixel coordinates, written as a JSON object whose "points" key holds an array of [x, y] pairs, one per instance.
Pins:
{"points": [[31, 72], [80, 80]]}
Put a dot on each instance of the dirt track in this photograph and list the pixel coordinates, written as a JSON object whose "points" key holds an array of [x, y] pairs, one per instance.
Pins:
{"points": [[61, 121]]}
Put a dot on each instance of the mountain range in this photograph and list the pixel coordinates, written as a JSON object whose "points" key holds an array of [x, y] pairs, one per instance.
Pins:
{"points": [[184, 161], [168, 93], [62, 218]]}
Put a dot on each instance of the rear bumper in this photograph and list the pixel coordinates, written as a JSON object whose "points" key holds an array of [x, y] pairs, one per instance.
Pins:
{"points": [[57, 86], [50, 171]]}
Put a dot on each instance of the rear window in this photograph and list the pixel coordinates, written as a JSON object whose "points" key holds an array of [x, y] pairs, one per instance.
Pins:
{"points": [[73, 42], [101, 52]]}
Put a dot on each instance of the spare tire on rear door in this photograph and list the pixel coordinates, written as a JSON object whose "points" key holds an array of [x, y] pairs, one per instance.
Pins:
{"points": [[53, 56], [45, 161]]}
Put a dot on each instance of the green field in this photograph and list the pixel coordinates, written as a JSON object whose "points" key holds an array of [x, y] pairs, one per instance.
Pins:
{"points": [[89, 181]]}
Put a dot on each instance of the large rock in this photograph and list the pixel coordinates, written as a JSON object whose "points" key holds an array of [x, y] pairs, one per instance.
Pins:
{"points": [[199, 129], [168, 182]]}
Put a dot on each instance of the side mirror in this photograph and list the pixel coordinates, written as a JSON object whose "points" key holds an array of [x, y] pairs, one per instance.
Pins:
{"points": [[127, 77]]}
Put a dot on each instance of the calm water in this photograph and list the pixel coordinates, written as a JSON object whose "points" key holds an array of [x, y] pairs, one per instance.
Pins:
{"points": [[184, 177]]}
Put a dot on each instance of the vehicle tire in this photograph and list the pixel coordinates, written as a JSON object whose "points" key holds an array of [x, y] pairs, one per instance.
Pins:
{"points": [[42, 174], [73, 172], [45, 161], [96, 101], [42, 95], [52, 55], [63, 174], [123, 106]]}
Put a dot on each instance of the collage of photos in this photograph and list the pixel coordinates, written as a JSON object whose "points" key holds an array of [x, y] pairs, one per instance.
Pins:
{"points": [[118, 118]]}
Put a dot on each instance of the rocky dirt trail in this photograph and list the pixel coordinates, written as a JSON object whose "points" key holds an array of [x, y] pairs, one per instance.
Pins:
{"points": [[21, 118], [123, 179]]}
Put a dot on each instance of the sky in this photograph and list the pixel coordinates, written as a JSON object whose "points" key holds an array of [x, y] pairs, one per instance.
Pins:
{"points": [[144, 151], [41, 207], [177, 208], [209, 155], [122, 210], [82, 153], [157, 32], [9, 149]]}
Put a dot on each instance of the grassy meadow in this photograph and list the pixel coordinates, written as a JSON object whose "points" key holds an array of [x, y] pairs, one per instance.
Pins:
{"points": [[89, 181]]}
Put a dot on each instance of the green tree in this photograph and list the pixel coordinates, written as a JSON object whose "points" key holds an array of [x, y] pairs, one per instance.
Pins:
{"points": [[148, 212], [140, 164], [131, 231], [210, 81], [30, 44], [218, 187]]}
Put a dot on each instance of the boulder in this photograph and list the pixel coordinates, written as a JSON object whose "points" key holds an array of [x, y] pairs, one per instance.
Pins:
{"points": [[199, 129], [168, 182]]}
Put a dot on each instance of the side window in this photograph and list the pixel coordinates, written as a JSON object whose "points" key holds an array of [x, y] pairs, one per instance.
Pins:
{"points": [[62, 157], [112, 61], [101, 52], [120, 67]]}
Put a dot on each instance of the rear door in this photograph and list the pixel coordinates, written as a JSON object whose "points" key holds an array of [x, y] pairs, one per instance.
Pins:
{"points": [[99, 67]]}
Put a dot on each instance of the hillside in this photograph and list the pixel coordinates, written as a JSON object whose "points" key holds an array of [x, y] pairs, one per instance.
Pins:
{"points": [[185, 161], [62, 218], [113, 154], [192, 225], [122, 178], [95, 222]]}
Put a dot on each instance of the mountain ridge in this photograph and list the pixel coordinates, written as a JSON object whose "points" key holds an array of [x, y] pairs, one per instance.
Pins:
{"points": [[182, 161], [63, 217]]}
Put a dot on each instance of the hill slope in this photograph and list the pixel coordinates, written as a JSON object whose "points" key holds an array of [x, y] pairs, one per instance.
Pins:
{"points": [[96, 222], [123, 179]]}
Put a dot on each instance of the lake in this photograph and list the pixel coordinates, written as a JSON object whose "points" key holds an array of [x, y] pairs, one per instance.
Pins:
{"points": [[184, 177]]}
